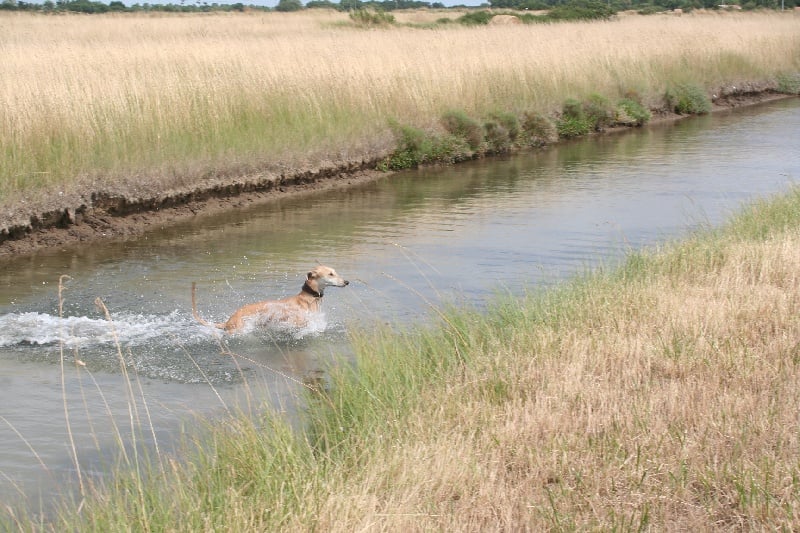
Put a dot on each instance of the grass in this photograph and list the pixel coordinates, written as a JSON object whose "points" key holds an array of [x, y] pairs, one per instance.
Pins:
{"points": [[658, 395], [145, 103]]}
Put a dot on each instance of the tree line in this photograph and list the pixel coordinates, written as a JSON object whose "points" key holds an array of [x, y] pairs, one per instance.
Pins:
{"points": [[585, 8]]}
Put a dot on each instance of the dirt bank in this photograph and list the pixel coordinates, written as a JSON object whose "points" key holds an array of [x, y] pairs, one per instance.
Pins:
{"points": [[91, 215]]}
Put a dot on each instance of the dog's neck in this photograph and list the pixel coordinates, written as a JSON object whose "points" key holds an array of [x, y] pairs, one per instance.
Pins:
{"points": [[308, 289]]}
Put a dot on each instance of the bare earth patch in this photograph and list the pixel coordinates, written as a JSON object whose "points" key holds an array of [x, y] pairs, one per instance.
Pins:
{"points": [[91, 215]]}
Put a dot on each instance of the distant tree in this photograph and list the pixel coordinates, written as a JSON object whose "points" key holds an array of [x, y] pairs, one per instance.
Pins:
{"points": [[314, 4], [116, 5], [581, 9], [83, 6], [289, 5]]}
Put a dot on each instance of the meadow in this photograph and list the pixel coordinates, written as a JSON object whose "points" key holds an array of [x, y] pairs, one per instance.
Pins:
{"points": [[660, 395], [143, 103]]}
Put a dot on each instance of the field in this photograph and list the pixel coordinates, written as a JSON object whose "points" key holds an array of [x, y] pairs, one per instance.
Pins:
{"points": [[144, 104]]}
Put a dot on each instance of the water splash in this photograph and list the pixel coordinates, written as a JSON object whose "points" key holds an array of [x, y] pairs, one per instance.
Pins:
{"points": [[42, 329], [171, 347], [277, 326]]}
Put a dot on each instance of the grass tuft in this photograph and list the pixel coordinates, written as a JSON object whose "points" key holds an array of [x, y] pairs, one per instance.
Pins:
{"points": [[368, 18], [461, 125], [631, 112], [573, 121], [537, 130], [688, 99], [789, 83]]}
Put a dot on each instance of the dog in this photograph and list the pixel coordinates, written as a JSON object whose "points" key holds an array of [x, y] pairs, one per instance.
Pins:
{"points": [[293, 310]]}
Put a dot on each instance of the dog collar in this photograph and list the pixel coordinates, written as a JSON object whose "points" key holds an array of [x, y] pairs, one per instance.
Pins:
{"points": [[312, 292]]}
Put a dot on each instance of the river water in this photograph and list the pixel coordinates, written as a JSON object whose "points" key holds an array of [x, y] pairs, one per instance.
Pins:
{"points": [[83, 385]]}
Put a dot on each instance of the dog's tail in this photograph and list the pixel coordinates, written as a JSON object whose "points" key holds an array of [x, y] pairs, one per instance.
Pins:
{"points": [[197, 316]]}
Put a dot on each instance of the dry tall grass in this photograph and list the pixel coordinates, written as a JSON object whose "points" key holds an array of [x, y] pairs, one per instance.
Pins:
{"points": [[160, 101], [663, 397]]}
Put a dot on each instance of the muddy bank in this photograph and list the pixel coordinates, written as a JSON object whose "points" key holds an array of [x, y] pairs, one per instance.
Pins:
{"points": [[104, 216], [92, 215]]}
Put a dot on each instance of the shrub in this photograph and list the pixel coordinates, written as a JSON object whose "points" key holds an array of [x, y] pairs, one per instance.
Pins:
{"points": [[573, 121], [497, 136], [509, 121], [581, 10], [416, 147], [632, 113], [83, 6], [461, 125], [789, 83], [367, 17], [598, 112], [289, 5], [537, 130], [475, 18], [321, 4], [688, 99], [569, 127], [572, 108]]}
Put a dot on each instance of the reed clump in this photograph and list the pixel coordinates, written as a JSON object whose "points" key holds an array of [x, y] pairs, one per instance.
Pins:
{"points": [[659, 395], [145, 103]]}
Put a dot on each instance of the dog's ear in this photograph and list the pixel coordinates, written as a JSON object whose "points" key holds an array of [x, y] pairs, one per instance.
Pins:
{"points": [[310, 275]]}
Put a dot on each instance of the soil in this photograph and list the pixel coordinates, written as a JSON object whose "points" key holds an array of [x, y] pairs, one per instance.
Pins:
{"points": [[89, 215]]}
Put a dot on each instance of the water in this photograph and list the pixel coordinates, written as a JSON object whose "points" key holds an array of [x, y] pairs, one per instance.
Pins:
{"points": [[137, 377]]}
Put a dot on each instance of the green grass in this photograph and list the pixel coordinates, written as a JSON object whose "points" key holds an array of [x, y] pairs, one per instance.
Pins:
{"points": [[688, 99]]}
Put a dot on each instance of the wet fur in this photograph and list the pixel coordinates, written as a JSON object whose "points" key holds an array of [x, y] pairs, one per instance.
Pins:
{"points": [[293, 310]]}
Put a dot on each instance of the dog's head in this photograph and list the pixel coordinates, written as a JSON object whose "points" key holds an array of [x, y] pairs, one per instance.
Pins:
{"points": [[323, 276]]}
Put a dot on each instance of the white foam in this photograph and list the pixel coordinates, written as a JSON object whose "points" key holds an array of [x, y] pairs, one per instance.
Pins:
{"points": [[42, 329], [79, 331]]}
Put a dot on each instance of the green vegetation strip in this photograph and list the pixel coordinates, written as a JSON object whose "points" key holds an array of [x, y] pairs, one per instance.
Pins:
{"points": [[466, 137], [662, 394]]}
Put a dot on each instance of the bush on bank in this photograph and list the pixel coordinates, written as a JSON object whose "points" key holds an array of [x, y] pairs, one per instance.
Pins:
{"points": [[789, 83], [688, 99], [465, 137]]}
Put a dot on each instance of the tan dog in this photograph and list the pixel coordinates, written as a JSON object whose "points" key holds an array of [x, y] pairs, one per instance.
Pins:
{"points": [[293, 310]]}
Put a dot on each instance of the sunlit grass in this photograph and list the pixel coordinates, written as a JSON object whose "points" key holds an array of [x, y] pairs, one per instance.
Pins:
{"points": [[150, 102], [661, 394]]}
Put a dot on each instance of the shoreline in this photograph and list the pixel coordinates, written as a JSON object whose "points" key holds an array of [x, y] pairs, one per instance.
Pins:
{"points": [[106, 216]]}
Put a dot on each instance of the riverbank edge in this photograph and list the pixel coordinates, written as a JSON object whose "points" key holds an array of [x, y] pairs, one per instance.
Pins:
{"points": [[95, 215]]}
